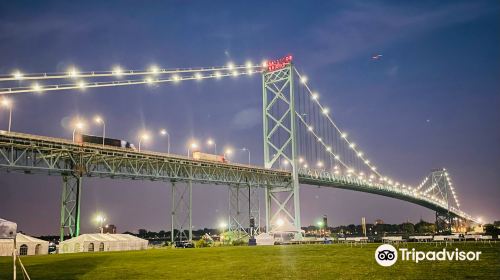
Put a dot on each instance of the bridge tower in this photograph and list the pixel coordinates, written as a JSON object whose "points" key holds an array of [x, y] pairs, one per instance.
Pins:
{"points": [[70, 205], [439, 188], [280, 144]]}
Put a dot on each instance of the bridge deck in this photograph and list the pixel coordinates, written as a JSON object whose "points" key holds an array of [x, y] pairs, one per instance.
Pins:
{"points": [[39, 154]]}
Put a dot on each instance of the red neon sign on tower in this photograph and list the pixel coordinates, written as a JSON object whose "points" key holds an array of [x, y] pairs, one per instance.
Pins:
{"points": [[273, 65]]}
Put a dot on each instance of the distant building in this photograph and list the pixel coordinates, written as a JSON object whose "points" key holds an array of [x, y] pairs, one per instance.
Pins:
{"points": [[379, 222], [109, 229]]}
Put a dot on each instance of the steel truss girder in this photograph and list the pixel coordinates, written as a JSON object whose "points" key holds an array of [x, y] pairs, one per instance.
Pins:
{"points": [[35, 154], [70, 205], [181, 215], [243, 204], [280, 143]]}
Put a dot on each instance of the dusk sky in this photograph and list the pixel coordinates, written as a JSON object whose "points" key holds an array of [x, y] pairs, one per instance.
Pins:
{"points": [[431, 101]]}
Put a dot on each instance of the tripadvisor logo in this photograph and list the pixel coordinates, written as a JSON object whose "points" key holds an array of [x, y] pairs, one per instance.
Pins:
{"points": [[387, 255]]}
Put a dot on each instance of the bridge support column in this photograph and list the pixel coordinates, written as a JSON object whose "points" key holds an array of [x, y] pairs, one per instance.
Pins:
{"points": [[181, 212], [280, 145], [443, 222], [70, 206], [243, 205]]}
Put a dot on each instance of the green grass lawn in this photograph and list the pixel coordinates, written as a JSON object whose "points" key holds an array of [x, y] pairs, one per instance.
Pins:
{"points": [[266, 262]]}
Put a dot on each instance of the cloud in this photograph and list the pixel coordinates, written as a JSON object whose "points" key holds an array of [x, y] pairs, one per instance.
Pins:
{"points": [[365, 28], [246, 119]]}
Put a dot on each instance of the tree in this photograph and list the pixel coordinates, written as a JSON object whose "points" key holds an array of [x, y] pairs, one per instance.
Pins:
{"points": [[143, 233]]}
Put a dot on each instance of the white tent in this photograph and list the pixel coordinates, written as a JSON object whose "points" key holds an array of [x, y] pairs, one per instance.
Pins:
{"points": [[285, 232], [26, 245], [99, 242], [264, 239]]}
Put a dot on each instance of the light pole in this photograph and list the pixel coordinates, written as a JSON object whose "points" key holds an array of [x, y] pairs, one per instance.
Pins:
{"points": [[227, 152], [144, 137], [100, 219], [246, 149], [211, 142], [99, 120], [7, 103], [191, 147], [222, 226], [165, 133], [78, 126]]}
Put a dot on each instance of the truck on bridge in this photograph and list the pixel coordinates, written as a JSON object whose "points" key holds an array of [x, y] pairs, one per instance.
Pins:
{"points": [[84, 138]]}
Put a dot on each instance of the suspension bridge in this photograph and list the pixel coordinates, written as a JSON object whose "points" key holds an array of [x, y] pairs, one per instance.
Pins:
{"points": [[303, 145]]}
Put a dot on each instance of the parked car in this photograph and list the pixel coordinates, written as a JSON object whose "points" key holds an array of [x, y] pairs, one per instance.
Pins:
{"points": [[183, 244]]}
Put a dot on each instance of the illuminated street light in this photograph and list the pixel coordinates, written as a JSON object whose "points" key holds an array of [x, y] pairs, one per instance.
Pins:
{"points": [[249, 64], [227, 152], [81, 84], [154, 69], [191, 147], [117, 70], [144, 136], [230, 65], [100, 120], [280, 222], [78, 125], [326, 111], [36, 87], [164, 132], [7, 103], [197, 76], [72, 72], [211, 142], [246, 149], [217, 74], [17, 75], [223, 226], [320, 224], [100, 219], [320, 164]]}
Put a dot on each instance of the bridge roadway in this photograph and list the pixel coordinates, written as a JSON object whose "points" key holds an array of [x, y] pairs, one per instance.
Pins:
{"points": [[55, 156]]}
